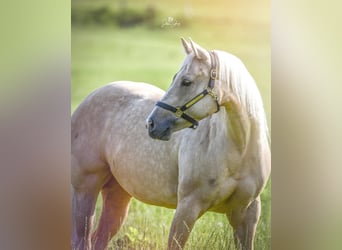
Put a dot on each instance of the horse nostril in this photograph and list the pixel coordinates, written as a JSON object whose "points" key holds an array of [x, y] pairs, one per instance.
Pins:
{"points": [[150, 124]]}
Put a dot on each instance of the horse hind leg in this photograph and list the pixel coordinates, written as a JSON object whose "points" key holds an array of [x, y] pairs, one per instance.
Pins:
{"points": [[116, 203], [244, 223], [85, 188], [83, 204]]}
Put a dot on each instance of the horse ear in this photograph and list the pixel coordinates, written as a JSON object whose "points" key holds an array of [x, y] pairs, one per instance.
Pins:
{"points": [[194, 49], [186, 46], [200, 53]]}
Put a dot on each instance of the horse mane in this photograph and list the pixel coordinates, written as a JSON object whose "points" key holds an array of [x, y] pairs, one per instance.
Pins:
{"points": [[235, 78]]}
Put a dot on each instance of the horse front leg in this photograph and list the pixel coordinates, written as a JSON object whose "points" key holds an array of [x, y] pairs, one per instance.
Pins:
{"points": [[244, 223], [188, 210]]}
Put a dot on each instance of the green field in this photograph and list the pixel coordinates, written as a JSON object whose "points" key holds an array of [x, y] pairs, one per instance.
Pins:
{"points": [[107, 53]]}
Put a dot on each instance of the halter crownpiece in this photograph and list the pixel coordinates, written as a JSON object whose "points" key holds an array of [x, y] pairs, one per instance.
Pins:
{"points": [[179, 111]]}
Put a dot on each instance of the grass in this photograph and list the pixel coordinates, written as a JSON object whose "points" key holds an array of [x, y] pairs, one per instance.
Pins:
{"points": [[147, 227], [104, 54]]}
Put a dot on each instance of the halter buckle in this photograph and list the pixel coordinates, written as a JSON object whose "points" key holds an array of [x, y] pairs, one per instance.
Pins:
{"points": [[211, 93]]}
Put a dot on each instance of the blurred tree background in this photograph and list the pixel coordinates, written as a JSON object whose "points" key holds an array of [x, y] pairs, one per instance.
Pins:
{"points": [[139, 40]]}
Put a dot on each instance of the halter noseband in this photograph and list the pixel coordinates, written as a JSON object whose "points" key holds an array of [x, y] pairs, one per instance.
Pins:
{"points": [[179, 111]]}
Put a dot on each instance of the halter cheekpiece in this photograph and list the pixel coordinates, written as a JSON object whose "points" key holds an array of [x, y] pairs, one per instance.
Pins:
{"points": [[179, 111]]}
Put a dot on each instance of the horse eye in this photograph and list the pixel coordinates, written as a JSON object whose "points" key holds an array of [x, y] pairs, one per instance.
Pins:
{"points": [[186, 82]]}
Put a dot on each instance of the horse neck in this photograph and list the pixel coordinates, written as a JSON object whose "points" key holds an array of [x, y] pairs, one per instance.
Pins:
{"points": [[238, 124], [241, 129], [242, 103]]}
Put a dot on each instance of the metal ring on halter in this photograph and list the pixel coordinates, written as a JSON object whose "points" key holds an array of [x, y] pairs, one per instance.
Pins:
{"points": [[178, 112], [213, 74]]}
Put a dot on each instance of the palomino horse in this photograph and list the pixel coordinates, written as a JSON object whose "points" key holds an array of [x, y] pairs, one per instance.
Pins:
{"points": [[220, 165]]}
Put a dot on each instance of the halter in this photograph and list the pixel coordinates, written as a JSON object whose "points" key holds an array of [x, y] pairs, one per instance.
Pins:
{"points": [[179, 111]]}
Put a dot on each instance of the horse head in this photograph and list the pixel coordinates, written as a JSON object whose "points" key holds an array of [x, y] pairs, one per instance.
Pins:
{"points": [[191, 96]]}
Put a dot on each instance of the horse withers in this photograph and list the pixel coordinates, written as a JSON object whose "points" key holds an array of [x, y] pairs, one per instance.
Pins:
{"points": [[210, 151]]}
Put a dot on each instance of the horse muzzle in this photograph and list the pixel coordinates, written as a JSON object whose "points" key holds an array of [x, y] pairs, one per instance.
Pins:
{"points": [[160, 131]]}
